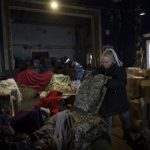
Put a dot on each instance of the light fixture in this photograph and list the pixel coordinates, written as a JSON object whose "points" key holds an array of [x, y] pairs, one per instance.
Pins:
{"points": [[54, 5], [117, 1], [142, 13]]}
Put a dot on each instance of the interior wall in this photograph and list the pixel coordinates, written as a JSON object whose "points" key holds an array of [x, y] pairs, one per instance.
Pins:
{"points": [[19, 47], [27, 38], [83, 44], [1, 41]]}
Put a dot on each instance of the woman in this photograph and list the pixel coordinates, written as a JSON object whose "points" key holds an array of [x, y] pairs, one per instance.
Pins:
{"points": [[115, 101]]}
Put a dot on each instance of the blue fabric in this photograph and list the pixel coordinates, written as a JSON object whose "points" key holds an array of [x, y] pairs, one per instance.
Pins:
{"points": [[79, 72], [43, 69]]}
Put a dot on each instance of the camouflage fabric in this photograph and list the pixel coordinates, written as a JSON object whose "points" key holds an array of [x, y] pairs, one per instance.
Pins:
{"points": [[86, 131], [72, 131], [90, 128], [91, 93], [75, 131]]}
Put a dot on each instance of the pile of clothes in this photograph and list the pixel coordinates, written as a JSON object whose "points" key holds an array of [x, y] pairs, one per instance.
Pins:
{"points": [[80, 128], [10, 96], [7, 87], [51, 87]]}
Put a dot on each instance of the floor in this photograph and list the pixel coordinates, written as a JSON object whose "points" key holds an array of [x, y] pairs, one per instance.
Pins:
{"points": [[118, 143]]}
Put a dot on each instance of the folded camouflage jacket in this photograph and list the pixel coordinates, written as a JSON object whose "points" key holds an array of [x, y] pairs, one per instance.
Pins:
{"points": [[91, 93]]}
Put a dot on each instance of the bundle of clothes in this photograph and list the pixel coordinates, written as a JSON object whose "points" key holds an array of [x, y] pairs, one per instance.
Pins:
{"points": [[52, 88], [9, 94], [80, 128]]}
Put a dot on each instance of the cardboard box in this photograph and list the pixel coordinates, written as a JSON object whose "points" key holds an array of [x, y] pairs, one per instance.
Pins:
{"points": [[138, 113], [140, 73], [134, 87], [145, 90], [148, 72]]}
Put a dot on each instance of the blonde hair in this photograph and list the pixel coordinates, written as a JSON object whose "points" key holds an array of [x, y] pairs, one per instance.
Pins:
{"points": [[111, 53]]}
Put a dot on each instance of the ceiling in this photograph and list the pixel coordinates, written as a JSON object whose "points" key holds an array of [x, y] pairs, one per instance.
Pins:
{"points": [[105, 4], [21, 16]]}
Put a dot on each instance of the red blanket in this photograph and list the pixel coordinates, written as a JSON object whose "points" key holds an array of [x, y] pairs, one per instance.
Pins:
{"points": [[52, 101], [32, 78]]}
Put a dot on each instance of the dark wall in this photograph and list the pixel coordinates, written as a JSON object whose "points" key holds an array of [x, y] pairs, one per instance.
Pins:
{"points": [[122, 34], [125, 26], [146, 23], [1, 42]]}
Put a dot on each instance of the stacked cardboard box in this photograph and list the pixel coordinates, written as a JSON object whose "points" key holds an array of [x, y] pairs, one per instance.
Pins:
{"points": [[145, 89], [138, 91], [133, 87], [138, 117]]}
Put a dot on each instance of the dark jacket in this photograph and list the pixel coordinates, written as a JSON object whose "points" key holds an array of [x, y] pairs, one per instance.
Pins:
{"points": [[115, 100]]}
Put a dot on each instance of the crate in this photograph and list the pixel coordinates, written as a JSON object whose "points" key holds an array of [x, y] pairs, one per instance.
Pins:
{"points": [[138, 114], [134, 87]]}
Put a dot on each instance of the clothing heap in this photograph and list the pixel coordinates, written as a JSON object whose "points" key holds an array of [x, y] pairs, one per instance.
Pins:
{"points": [[77, 129], [82, 128], [63, 84], [52, 87], [10, 96], [8, 86]]}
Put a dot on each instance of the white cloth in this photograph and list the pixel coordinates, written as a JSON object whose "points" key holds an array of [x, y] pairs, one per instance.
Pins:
{"points": [[7, 86]]}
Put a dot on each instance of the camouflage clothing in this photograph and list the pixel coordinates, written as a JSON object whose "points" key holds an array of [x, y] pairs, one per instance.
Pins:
{"points": [[72, 131], [75, 131], [91, 93], [86, 131]]}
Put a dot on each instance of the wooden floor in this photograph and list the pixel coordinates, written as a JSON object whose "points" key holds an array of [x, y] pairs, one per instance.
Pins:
{"points": [[117, 141]]}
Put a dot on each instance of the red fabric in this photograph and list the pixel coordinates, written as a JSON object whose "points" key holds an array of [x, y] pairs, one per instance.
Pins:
{"points": [[32, 78], [52, 101]]}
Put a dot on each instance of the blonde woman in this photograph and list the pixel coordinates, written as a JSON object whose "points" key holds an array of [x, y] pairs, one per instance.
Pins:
{"points": [[115, 101]]}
